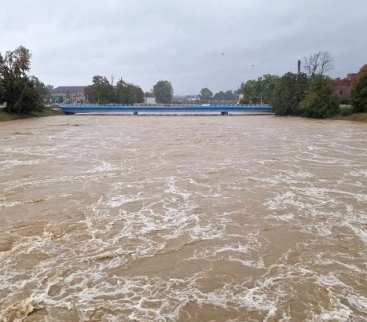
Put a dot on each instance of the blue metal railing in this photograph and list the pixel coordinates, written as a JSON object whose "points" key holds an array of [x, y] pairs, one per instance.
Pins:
{"points": [[218, 108]]}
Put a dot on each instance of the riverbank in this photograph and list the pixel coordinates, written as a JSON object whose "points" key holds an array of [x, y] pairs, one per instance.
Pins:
{"points": [[4, 116], [359, 117]]}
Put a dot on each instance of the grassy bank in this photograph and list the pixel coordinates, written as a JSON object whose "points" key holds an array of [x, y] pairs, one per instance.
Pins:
{"points": [[47, 111], [8, 117], [360, 117]]}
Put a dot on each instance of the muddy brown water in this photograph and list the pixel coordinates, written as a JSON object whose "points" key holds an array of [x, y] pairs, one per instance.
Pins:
{"points": [[124, 218]]}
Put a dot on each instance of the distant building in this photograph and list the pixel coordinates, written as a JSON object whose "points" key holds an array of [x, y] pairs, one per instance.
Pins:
{"points": [[343, 87], [69, 94], [149, 99]]}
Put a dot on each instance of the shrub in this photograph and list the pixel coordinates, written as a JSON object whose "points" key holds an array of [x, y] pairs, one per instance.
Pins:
{"points": [[288, 93], [319, 103], [20, 92], [346, 110], [22, 96], [319, 106], [360, 95]]}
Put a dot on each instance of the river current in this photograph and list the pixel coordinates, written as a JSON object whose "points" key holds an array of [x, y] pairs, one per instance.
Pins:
{"points": [[240, 218]]}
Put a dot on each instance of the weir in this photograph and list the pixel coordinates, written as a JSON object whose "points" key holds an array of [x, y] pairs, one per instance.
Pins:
{"points": [[221, 109]]}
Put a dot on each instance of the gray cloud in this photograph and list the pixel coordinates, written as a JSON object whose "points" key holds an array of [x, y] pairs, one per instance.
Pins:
{"points": [[203, 43]]}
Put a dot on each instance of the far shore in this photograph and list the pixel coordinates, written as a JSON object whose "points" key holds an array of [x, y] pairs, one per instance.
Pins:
{"points": [[4, 116], [358, 117]]}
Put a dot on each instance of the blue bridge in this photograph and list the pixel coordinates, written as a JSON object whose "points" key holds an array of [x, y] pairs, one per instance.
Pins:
{"points": [[223, 109]]}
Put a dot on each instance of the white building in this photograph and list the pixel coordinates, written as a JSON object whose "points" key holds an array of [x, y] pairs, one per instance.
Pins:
{"points": [[68, 94], [149, 99]]}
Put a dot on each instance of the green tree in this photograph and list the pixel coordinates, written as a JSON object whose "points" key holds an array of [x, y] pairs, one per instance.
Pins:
{"points": [[288, 93], [121, 92], [163, 92], [128, 93], [15, 63], [2, 91], [22, 96], [135, 94], [206, 95], [268, 84], [260, 90], [100, 92], [250, 92], [359, 94], [20, 92], [319, 102], [43, 90], [225, 96]]}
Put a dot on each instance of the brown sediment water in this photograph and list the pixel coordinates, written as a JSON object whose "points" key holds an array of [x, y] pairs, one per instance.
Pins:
{"points": [[121, 218]]}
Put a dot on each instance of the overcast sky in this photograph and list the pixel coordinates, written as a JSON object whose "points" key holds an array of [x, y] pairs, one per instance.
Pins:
{"points": [[193, 43]]}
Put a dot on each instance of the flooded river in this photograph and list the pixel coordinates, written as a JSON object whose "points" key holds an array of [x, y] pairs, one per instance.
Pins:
{"points": [[235, 219]]}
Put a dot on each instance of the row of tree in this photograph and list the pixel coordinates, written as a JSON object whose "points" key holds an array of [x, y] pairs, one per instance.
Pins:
{"points": [[294, 94], [103, 92], [22, 93], [298, 94], [359, 93], [308, 93], [206, 95]]}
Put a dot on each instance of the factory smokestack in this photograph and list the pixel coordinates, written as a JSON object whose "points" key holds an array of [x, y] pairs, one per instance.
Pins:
{"points": [[299, 66]]}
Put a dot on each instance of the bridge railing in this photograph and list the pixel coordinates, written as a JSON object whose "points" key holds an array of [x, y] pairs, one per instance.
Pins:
{"points": [[173, 108], [162, 105]]}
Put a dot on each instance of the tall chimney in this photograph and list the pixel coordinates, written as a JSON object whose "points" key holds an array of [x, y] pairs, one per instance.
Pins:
{"points": [[299, 66]]}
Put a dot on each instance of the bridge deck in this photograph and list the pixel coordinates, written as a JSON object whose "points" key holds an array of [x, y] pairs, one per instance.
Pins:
{"points": [[160, 109]]}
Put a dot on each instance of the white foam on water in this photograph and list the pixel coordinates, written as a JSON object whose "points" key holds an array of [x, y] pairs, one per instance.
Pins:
{"points": [[340, 314], [120, 200], [358, 230], [330, 280], [356, 221], [358, 301], [173, 189], [236, 248], [8, 204], [284, 217], [209, 231], [103, 167], [9, 164], [284, 200], [259, 264], [359, 173], [181, 204]]}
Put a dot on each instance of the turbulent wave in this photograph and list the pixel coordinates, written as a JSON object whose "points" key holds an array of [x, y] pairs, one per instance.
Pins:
{"points": [[183, 219]]}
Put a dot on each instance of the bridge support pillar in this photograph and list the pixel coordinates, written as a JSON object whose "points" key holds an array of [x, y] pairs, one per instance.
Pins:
{"points": [[224, 113]]}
